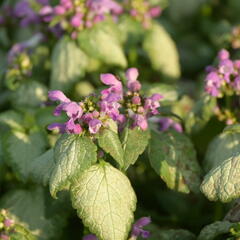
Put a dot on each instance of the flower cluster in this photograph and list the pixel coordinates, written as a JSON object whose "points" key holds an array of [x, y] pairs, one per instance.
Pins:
{"points": [[225, 78], [6, 225], [137, 230], [19, 65], [75, 15], [142, 11], [19, 60], [27, 12], [112, 104]]}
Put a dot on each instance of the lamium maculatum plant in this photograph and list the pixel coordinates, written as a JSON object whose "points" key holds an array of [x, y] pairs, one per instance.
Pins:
{"points": [[119, 120]]}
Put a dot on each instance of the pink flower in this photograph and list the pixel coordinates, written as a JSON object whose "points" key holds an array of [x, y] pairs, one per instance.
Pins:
{"points": [[152, 103], [133, 84], [94, 126], [223, 54], [90, 237], [76, 20], [57, 126], [116, 85], [137, 229], [59, 10], [155, 11], [71, 127], [140, 120], [57, 95]]}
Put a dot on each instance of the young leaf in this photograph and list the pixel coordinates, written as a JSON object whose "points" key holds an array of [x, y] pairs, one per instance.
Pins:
{"points": [[173, 157], [109, 141], [105, 201], [222, 147], [134, 142], [162, 51], [131, 31], [21, 233], [73, 154], [29, 209], [101, 44], [30, 94], [214, 230], [22, 149], [68, 64], [223, 182], [11, 119], [169, 92], [42, 167]]}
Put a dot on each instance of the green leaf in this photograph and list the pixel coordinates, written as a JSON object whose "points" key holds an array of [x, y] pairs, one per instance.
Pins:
{"points": [[222, 147], [162, 52], [223, 182], [201, 114], [182, 9], [109, 141], [68, 64], [134, 142], [105, 201], [29, 209], [30, 94], [214, 230], [44, 117], [173, 157], [12, 119], [21, 149], [42, 167], [171, 234], [73, 154], [100, 43]]}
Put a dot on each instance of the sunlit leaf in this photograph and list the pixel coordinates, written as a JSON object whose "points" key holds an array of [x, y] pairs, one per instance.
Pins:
{"points": [[105, 201]]}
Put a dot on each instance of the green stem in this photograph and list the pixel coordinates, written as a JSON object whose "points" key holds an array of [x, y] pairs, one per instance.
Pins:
{"points": [[228, 102]]}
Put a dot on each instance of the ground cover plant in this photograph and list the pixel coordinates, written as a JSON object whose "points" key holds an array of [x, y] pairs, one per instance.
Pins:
{"points": [[120, 119]]}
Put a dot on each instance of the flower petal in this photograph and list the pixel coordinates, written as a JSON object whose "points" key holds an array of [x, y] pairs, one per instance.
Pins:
{"points": [[57, 95], [132, 74], [109, 79]]}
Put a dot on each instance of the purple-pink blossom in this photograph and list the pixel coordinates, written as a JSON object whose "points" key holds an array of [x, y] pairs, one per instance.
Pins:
{"points": [[4, 236], [90, 237], [94, 125], [58, 95], [115, 85], [143, 11], [167, 123], [85, 15], [8, 222], [140, 120], [137, 229], [132, 83], [223, 77], [113, 103]]}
